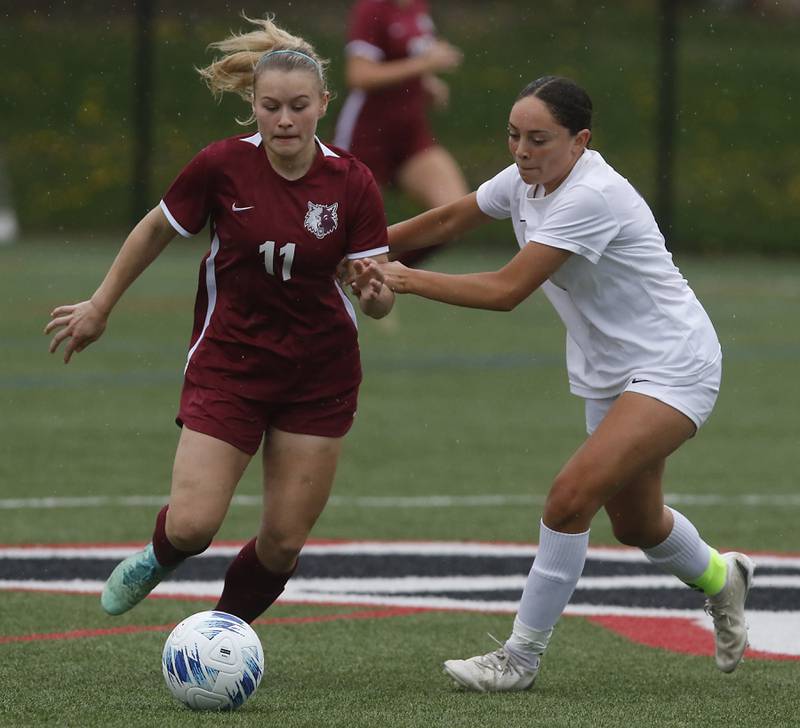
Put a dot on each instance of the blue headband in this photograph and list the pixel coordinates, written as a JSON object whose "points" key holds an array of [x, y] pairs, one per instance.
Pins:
{"points": [[297, 53]]}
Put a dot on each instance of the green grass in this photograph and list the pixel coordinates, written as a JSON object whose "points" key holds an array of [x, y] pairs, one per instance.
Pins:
{"points": [[455, 402], [381, 673], [466, 402]]}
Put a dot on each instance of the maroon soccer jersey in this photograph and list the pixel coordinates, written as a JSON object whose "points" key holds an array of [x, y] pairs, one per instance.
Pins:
{"points": [[271, 321], [381, 30]]}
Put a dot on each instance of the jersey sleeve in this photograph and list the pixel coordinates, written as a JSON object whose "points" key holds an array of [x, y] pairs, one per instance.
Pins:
{"points": [[187, 202], [365, 36], [581, 222], [494, 195], [366, 223]]}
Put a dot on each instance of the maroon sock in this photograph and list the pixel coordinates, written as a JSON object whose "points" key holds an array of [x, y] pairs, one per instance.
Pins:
{"points": [[250, 587], [166, 554]]}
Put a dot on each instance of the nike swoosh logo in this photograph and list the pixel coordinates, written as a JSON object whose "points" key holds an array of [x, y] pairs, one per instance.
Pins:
{"points": [[239, 209]]}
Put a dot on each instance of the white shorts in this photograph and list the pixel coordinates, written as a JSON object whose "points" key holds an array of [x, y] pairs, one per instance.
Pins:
{"points": [[694, 400]]}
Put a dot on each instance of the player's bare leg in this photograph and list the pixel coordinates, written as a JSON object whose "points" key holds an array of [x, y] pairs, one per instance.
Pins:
{"points": [[204, 478], [205, 474], [670, 541], [298, 477], [432, 178], [634, 438]]}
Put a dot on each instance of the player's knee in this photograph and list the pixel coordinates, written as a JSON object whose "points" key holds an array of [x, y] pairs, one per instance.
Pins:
{"points": [[628, 534], [190, 532], [640, 531], [281, 548], [569, 505]]}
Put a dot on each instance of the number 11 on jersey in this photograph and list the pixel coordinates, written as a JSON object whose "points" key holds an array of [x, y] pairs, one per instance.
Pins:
{"points": [[286, 252]]}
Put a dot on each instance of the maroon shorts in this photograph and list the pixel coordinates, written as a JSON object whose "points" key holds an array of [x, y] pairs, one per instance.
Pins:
{"points": [[385, 158], [242, 422]]}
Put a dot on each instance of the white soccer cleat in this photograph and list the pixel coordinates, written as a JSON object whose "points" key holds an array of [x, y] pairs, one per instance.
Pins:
{"points": [[727, 610], [495, 672]]}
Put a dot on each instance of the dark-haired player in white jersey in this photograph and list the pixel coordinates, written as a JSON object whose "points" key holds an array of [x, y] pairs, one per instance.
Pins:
{"points": [[641, 351], [274, 351]]}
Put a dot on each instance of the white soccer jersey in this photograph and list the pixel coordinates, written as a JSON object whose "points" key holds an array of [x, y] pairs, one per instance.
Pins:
{"points": [[628, 310]]}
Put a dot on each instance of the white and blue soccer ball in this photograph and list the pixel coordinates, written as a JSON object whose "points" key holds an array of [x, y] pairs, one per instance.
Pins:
{"points": [[212, 661]]}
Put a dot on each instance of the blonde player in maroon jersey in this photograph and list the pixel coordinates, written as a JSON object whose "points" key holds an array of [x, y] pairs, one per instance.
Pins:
{"points": [[393, 58], [274, 351]]}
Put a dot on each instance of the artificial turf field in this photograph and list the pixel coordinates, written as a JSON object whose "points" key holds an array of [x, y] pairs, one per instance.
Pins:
{"points": [[464, 418]]}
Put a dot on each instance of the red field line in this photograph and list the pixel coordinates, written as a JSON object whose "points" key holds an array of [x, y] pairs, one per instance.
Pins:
{"points": [[137, 628], [674, 634]]}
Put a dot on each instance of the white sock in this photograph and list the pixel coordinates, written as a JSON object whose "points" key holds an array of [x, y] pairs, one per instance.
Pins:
{"points": [[527, 645], [551, 581], [682, 553]]}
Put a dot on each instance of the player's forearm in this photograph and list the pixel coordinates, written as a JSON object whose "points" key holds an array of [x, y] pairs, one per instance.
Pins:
{"points": [[489, 290], [500, 290], [371, 75], [379, 306], [142, 246], [437, 226]]}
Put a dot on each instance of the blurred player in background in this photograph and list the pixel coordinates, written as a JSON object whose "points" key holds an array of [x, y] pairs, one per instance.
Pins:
{"points": [[641, 351], [9, 226], [393, 57], [274, 353]]}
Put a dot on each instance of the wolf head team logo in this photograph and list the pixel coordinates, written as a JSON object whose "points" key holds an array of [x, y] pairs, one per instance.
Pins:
{"points": [[321, 219]]}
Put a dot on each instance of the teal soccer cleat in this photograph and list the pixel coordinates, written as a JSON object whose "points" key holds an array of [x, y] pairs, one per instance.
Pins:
{"points": [[132, 580]]}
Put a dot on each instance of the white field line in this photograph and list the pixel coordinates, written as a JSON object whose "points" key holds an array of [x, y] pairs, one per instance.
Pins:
{"points": [[296, 591], [378, 548], [433, 584], [412, 586], [770, 631], [212, 589], [431, 501]]}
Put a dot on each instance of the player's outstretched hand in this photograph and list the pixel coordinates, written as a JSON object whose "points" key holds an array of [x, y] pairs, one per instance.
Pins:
{"points": [[443, 56], [367, 281], [80, 323], [395, 276]]}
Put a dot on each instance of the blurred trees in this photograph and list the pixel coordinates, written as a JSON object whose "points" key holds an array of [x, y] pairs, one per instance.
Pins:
{"points": [[67, 95]]}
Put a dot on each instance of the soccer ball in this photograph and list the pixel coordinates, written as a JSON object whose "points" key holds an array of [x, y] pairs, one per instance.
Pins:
{"points": [[212, 661]]}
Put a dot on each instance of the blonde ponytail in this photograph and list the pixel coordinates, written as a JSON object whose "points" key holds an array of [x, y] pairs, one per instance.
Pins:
{"points": [[245, 57]]}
